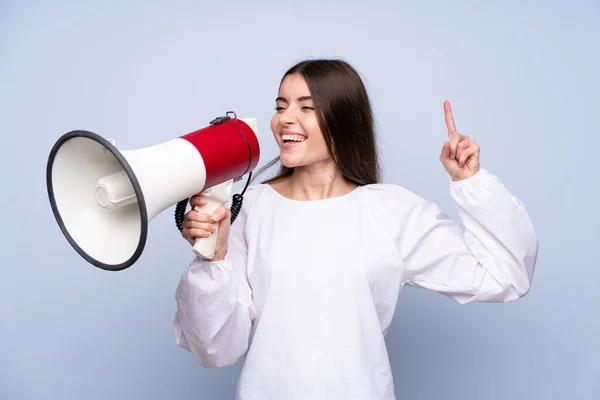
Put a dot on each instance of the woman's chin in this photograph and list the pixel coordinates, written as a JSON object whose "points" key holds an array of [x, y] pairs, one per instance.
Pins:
{"points": [[288, 161]]}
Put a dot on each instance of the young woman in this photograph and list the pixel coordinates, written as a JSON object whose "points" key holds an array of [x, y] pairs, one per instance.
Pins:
{"points": [[305, 283]]}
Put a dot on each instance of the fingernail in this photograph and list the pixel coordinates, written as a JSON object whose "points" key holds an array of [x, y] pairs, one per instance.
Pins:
{"points": [[216, 215]]}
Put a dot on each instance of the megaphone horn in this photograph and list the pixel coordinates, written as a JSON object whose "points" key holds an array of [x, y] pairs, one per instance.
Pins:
{"points": [[103, 198]]}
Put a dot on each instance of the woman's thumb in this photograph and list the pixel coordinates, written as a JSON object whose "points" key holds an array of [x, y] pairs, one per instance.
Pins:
{"points": [[445, 154], [219, 214]]}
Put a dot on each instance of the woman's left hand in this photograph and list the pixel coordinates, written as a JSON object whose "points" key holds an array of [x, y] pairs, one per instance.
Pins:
{"points": [[460, 154]]}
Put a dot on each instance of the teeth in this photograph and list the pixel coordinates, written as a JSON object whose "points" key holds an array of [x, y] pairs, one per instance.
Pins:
{"points": [[295, 138]]}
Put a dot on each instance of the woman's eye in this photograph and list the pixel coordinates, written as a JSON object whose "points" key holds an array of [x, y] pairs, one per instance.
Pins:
{"points": [[305, 108]]}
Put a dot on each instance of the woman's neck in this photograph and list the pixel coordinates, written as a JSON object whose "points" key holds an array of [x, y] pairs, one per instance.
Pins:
{"points": [[314, 182]]}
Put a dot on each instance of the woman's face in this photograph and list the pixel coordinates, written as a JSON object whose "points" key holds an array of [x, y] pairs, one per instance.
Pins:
{"points": [[295, 126]]}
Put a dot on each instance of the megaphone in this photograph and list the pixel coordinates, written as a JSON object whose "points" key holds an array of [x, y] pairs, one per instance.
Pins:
{"points": [[104, 198]]}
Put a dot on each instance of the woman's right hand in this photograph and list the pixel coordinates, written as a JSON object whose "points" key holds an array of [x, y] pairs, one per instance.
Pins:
{"points": [[200, 225]]}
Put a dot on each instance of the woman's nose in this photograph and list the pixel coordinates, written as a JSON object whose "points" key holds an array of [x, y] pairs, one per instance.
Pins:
{"points": [[288, 116]]}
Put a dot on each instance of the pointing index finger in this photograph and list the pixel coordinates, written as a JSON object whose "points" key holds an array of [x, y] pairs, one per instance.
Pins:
{"points": [[449, 119]]}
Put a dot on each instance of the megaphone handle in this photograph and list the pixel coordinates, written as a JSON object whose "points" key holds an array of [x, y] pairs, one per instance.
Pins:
{"points": [[215, 198], [205, 247]]}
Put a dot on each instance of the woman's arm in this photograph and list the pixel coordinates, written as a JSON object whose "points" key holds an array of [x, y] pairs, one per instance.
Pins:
{"points": [[491, 260], [215, 310]]}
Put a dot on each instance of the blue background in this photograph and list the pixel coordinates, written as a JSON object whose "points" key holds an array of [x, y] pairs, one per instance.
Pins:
{"points": [[523, 79]]}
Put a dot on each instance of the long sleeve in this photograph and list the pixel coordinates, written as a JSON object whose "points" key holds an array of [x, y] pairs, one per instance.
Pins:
{"points": [[491, 260], [214, 304]]}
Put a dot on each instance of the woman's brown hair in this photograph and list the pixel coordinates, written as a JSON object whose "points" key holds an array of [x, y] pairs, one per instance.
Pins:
{"points": [[345, 117]]}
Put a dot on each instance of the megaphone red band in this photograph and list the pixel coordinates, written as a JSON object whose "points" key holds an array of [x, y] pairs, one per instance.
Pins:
{"points": [[243, 150]]}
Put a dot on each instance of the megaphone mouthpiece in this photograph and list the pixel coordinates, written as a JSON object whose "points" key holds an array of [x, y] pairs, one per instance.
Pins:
{"points": [[115, 190]]}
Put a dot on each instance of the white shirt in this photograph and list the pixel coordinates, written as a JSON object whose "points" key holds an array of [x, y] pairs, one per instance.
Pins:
{"points": [[309, 288]]}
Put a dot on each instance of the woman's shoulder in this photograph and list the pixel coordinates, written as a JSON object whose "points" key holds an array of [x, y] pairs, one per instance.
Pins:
{"points": [[256, 196], [390, 203], [255, 189], [391, 194], [253, 192]]}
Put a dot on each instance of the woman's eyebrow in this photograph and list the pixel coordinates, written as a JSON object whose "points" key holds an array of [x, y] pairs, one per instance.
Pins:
{"points": [[301, 98]]}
